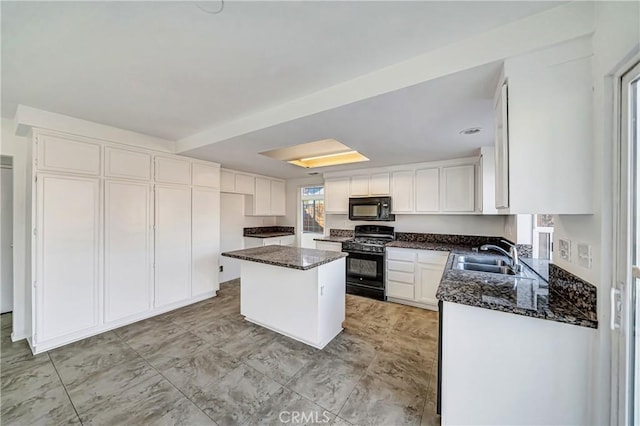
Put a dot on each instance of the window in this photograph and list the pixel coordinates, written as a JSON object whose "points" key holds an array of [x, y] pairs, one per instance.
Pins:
{"points": [[313, 209]]}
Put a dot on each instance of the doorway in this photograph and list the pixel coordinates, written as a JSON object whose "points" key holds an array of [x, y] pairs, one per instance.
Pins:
{"points": [[311, 215], [6, 234]]}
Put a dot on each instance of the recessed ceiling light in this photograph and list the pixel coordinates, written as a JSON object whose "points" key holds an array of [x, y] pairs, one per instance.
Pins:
{"points": [[470, 131]]}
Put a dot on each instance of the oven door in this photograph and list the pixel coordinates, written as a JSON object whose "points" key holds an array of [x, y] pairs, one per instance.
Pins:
{"points": [[365, 269], [364, 210]]}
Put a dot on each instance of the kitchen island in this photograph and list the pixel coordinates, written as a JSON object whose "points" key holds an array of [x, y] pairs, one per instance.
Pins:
{"points": [[297, 292]]}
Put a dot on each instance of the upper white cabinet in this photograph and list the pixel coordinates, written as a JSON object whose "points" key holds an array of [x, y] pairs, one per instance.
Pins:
{"points": [[227, 181], [205, 175], [262, 198], [173, 170], [458, 188], [369, 185], [402, 195], [67, 155], [336, 195], [544, 132], [205, 240], [128, 278], [67, 278], [127, 164], [265, 196], [278, 204], [428, 190], [245, 184]]}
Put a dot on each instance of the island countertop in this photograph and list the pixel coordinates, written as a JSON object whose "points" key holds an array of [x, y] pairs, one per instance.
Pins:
{"points": [[286, 256]]}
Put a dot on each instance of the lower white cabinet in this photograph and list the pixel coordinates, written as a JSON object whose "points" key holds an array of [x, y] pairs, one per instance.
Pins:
{"points": [[413, 276], [328, 246], [205, 240], [172, 244], [128, 279], [67, 279], [287, 240]]}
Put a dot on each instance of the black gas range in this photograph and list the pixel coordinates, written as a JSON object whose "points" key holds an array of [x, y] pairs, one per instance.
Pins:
{"points": [[365, 263]]}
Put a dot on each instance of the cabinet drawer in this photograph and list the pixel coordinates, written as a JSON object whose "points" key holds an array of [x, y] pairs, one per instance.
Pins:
{"points": [[403, 277], [400, 254], [171, 170], [127, 164], [395, 265], [400, 290], [66, 155], [437, 257]]}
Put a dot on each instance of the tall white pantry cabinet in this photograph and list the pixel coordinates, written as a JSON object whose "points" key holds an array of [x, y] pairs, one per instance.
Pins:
{"points": [[120, 234]]}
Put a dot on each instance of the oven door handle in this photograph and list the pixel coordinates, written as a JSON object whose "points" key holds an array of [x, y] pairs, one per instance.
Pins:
{"points": [[368, 253]]}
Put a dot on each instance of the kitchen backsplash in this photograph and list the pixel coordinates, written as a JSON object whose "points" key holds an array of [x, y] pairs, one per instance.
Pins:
{"points": [[340, 232], [573, 289], [267, 229]]}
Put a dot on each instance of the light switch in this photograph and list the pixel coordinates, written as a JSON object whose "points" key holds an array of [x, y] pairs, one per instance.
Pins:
{"points": [[564, 249], [584, 255]]}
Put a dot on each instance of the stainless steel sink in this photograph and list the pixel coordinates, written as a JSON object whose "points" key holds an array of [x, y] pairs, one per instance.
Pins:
{"points": [[494, 269], [482, 260]]}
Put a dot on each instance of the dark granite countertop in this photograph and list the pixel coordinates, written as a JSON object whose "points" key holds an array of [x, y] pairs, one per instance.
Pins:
{"points": [[539, 266], [286, 256], [333, 239], [269, 235]]}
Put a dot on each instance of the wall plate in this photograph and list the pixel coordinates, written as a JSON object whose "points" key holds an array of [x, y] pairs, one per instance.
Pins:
{"points": [[584, 255], [564, 249]]}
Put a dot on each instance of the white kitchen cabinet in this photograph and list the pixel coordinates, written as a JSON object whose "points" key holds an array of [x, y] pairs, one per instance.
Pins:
{"points": [[413, 276], [227, 181], [359, 186], [486, 182], [286, 240], [379, 184], [336, 195], [458, 188], [68, 253], [205, 175], [128, 277], [278, 204], [501, 148], [262, 198], [67, 155], [245, 184], [172, 170], [402, 195], [328, 246], [127, 164], [172, 244], [205, 240], [428, 190]]}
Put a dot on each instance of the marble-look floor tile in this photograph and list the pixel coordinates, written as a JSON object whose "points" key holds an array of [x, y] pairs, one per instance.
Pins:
{"points": [[248, 342], [85, 357], [340, 422], [374, 402], [429, 415], [327, 381], [287, 407], [185, 413], [418, 350], [180, 347], [13, 351], [281, 358], [418, 326], [197, 372], [218, 332], [374, 333], [154, 338], [233, 399], [6, 322], [352, 348], [401, 372], [50, 405], [28, 383]]}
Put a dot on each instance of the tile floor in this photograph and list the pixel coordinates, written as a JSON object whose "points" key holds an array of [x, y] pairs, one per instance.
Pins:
{"points": [[204, 365]]}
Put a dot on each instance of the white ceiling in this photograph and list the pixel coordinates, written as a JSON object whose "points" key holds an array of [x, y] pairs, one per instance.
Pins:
{"points": [[167, 69], [415, 124]]}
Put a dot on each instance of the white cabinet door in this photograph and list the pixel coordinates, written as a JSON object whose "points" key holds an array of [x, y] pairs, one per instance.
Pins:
{"points": [[359, 186], [205, 240], [245, 184], [427, 282], [126, 164], [502, 149], [278, 204], [173, 170], [128, 285], [67, 155], [227, 181], [68, 255], [262, 197], [205, 175], [379, 184], [288, 240], [428, 190], [402, 195], [458, 188], [336, 195], [172, 244]]}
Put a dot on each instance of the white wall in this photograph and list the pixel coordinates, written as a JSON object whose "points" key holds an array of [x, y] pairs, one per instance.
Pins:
{"points": [[518, 228], [17, 147], [232, 222], [617, 34]]}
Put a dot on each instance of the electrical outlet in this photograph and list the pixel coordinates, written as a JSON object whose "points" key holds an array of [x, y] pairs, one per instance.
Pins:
{"points": [[564, 249], [584, 255], [221, 268]]}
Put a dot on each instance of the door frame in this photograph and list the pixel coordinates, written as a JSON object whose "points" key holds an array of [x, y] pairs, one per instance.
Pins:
{"points": [[621, 295]]}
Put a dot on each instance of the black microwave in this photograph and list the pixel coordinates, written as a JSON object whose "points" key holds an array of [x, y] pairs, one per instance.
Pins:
{"points": [[371, 208]]}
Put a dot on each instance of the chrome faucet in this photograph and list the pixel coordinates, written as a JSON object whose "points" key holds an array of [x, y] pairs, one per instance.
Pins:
{"points": [[511, 254]]}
